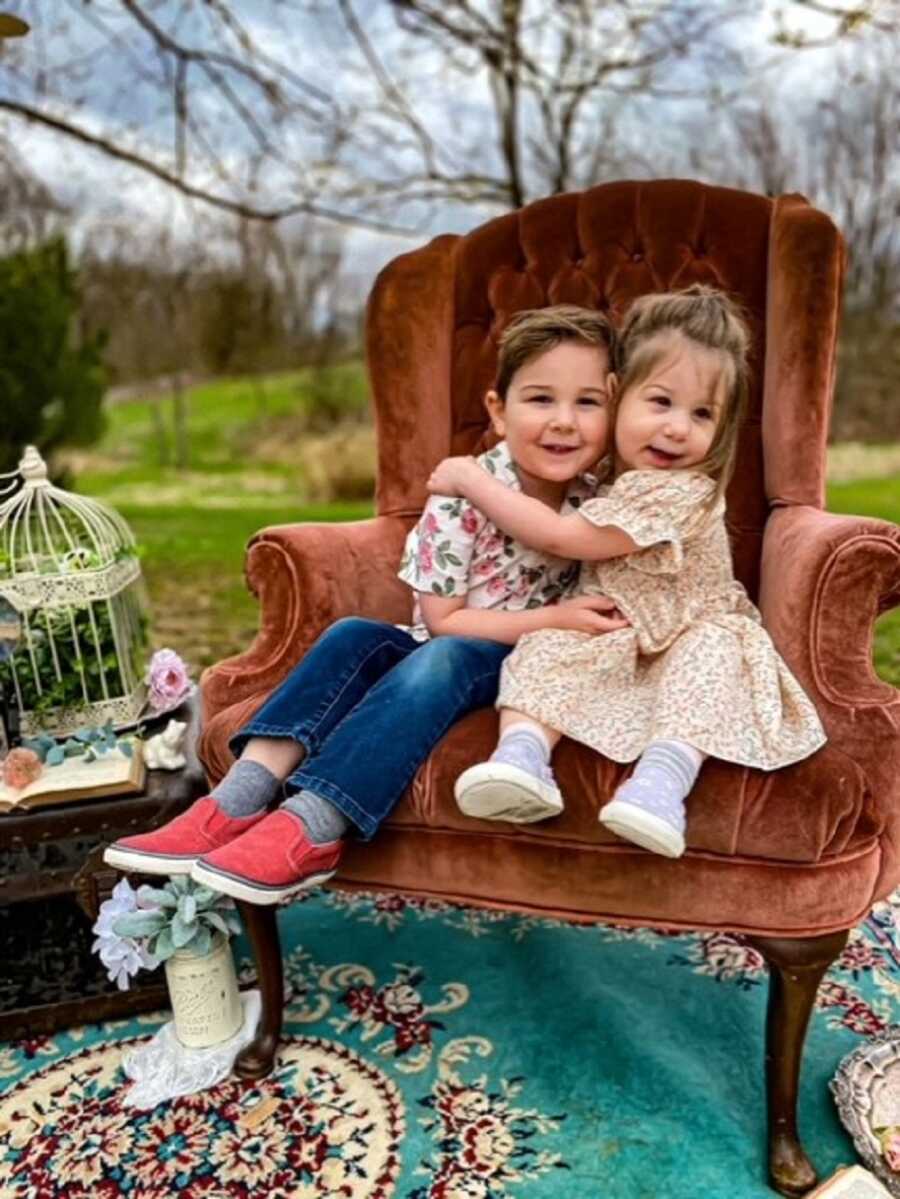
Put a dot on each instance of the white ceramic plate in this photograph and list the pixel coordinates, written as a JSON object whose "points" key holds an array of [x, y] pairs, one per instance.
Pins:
{"points": [[866, 1089]]}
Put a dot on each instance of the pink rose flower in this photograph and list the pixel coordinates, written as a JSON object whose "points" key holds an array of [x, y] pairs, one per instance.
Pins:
{"points": [[469, 521], [426, 557], [168, 678], [21, 767], [497, 586], [890, 1147], [491, 544], [430, 524]]}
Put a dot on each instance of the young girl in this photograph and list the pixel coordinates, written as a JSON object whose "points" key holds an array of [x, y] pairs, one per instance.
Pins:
{"points": [[695, 674], [351, 724]]}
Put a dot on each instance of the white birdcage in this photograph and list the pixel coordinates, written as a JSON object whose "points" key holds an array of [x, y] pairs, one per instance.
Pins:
{"points": [[69, 567]]}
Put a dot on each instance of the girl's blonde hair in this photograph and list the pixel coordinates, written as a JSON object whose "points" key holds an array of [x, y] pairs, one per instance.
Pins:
{"points": [[708, 318]]}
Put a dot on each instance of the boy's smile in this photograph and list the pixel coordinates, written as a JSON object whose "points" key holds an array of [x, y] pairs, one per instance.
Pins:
{"points": [[555, 418]]}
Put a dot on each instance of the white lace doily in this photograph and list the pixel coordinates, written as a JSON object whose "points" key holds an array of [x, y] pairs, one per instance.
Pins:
{"points": [[164, 1069]]}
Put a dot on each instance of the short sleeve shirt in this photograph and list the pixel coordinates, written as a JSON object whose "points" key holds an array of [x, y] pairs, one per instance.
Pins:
{"points": [[455, 550]]}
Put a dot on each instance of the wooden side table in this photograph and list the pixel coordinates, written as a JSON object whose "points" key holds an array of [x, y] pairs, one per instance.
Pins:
{"points": [[52, 882]]}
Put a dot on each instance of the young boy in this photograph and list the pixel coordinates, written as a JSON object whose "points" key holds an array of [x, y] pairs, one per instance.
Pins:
{"points": [[355, 719]]}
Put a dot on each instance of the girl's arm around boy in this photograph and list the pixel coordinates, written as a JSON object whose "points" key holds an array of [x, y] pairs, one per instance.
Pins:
{"points": [[583, 614], [527, 519]]}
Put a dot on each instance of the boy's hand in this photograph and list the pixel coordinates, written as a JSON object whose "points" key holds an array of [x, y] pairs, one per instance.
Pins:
{"points": [[587, 614], [448, 477]]}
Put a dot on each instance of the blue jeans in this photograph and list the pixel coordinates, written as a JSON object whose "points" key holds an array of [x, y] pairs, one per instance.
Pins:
{"points": [[369, 703]]}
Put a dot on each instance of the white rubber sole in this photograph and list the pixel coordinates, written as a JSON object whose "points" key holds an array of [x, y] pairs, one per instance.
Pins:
{"points": [[237, 888], [144, 863], [497, 791], [632, 823]]}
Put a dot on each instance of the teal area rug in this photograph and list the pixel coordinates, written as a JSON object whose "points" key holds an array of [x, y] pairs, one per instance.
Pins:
{"points": [[439, 1052]]}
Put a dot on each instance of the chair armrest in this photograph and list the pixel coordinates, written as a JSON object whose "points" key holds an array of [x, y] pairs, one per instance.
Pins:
{"points": [[306, 577], [825, 580]]}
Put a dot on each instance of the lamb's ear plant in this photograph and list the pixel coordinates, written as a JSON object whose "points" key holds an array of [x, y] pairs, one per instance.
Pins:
{"points": [[183, 915]]}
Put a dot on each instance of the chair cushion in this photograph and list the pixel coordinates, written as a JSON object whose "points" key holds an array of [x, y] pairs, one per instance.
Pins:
{"points": [[793, 853], [815, 809]]}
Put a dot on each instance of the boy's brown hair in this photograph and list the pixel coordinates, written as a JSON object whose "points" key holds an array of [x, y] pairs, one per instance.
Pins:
{"points": [[537, 330]]}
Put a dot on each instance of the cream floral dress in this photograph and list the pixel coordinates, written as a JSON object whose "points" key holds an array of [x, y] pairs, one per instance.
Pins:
{"points": [[695, 665], [455, 550]]}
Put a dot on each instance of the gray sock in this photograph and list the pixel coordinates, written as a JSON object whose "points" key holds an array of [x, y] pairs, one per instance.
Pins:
{"points": [[322, 820], [246, 789]]}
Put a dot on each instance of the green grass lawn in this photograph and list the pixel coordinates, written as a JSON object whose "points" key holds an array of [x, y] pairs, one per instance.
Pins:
{"points": [[193, 560], [227, 418], [875, 497]]}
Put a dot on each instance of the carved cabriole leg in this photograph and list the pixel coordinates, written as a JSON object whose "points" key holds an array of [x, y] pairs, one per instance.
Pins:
{"points": [[796, 968], [257, 1058]]}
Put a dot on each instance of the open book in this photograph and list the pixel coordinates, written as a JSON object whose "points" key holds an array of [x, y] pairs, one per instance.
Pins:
{"points": [[852, 1182], [112, 773]]}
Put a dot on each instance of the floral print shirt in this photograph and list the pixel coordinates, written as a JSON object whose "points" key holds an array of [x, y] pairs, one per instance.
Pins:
{"points": [[456, 551]]}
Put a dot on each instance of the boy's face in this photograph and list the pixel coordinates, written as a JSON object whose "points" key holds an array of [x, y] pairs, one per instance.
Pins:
{"points": [[556, 415]]}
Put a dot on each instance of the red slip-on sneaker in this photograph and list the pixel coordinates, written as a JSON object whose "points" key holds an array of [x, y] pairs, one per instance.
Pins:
{"points": [[272, 861], [174, 848]]}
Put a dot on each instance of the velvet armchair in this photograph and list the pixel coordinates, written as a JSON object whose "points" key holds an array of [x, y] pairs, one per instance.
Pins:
{"points": [[791, 859]]}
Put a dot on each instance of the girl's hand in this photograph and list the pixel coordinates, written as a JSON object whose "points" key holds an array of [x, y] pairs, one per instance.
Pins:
{"points": [[448, 477], [587, 614]]}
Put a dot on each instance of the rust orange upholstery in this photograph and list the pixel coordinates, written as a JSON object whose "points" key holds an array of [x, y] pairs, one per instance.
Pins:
{"points": [[800, 852]]}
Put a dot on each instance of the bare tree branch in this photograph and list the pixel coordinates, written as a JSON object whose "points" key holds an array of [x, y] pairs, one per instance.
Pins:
{"points": [[847, 21], [257, 125], [227, 204], [392, 93]]}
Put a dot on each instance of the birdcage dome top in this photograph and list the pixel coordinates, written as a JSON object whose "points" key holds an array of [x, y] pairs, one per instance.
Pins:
{"points": [[54, 543]]}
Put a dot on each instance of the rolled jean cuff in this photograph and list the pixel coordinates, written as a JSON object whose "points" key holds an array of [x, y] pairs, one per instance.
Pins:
{"points": [[366, 824], [301, 733]]}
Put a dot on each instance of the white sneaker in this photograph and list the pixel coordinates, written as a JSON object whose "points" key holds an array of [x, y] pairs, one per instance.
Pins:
{"points": [[500, 791], [647, 818]]}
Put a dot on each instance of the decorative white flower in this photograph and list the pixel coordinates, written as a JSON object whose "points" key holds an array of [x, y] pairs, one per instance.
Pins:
{"points": [[122, 956]]}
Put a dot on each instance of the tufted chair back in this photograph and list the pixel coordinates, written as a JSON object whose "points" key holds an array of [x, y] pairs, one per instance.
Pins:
{"points": [[435, 316]]}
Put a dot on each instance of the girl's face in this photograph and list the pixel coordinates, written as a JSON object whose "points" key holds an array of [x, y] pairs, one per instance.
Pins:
{"points": [[556, 416], [668, 420]]}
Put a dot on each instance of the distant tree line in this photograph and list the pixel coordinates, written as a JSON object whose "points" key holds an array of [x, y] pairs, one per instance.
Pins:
{"points": [[243, 302]]}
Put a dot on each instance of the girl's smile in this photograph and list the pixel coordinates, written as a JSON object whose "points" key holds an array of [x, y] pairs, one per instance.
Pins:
{"points": [[668, 420]]}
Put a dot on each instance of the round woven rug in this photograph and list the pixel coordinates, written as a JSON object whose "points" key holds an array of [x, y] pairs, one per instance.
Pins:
{"points": [[440, 1052]]}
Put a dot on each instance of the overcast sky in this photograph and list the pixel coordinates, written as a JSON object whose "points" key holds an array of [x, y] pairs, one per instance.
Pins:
{"points": [[86, 61]]}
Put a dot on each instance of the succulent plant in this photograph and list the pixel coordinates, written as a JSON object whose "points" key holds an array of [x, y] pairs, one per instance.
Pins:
{"points": [[183, 915], [88, 743]]}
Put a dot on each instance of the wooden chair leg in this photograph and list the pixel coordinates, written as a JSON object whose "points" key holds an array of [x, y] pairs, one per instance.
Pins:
{"points": [[796, 967], [256, 1059]]}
